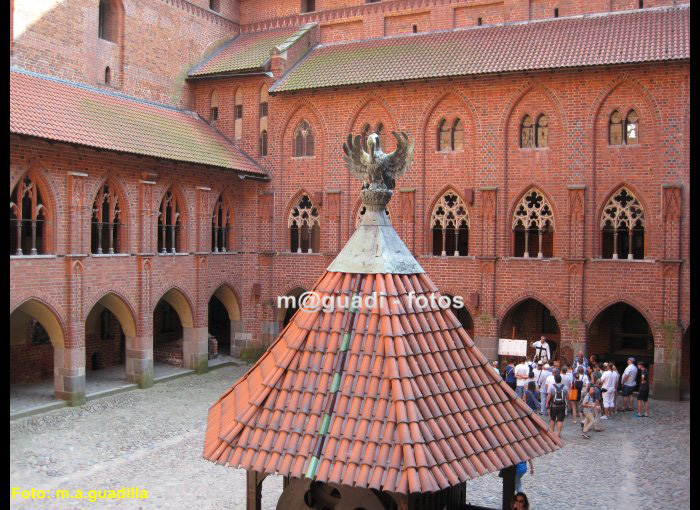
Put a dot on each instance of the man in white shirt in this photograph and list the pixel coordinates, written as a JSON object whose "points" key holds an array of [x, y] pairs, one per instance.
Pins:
{"points": [[542, 383], [616, 385], [629, 381], [608, 381], [522, 371], [542, 349]]}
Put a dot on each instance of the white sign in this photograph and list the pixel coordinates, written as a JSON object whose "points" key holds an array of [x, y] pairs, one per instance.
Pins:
{"points": [[508, 347]]}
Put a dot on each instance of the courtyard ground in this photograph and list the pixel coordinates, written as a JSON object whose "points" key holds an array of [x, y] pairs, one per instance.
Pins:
{"points": [[152, 439]]}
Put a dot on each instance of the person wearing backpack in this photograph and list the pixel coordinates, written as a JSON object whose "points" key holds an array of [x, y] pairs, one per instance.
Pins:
{"points": [[510, 375], [556, 402], [575, 393], [532, 397]]}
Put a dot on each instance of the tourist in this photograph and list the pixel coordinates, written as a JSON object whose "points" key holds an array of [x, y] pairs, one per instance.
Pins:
{"points": [[556, 401], [576, 392], [643, 395], [510, 374], [542, 386], [616, 385], [629, 381], [520, 502], [520, 470], [584, 378], [495, 367], [598, 410], [567, 380], [588, 405], [531, 371], [531, 396], [521, 375], [580, 361], [607, 382]]}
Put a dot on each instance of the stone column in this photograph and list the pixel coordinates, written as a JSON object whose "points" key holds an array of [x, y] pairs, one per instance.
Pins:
{"points": [[195, 348], [69, 361], [668, 338], [139, 349]]}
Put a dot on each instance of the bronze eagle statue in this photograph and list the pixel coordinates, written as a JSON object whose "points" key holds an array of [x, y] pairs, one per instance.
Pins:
{"points": [[377, 169]]}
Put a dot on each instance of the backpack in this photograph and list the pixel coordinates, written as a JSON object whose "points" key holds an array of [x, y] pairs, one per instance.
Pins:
{"points": [[530, 373], [558, 399]]}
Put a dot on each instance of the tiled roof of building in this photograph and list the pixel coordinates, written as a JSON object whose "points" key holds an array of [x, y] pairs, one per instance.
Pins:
{"points": [[244, 52], [645, 35], [390, 396], [68, 112]]}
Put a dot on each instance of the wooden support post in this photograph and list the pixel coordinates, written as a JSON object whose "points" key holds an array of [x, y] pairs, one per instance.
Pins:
{"points": [[253, 497], [508, 486]]}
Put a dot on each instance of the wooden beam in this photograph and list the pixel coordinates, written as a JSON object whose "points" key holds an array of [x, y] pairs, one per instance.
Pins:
{"points": [[254, 482], [508, 486]]}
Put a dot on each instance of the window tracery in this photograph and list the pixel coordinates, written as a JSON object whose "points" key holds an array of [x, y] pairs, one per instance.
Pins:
{"points": [[622, 226], [28, 218], [450, 226], [533, 226], [221, 226], [303, 140], [106, 226], [304, 227], [170, 224]]}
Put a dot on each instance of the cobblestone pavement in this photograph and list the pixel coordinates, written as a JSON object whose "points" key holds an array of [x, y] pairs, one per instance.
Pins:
{"points": [[153, 439]]}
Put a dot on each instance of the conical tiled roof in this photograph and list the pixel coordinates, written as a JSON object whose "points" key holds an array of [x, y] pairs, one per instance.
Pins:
{"points": [[385, 390]]}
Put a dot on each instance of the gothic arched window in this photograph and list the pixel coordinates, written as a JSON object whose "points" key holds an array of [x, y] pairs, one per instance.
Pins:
{"points": [[304, 227], [632, 128], [622, 226], [443, 136], [108, 21], [238, 113], [214, 106], [382, 135], [221, 227], [170, 219], [106, 229], [28, 219], [303, 140], [527, 137], [450, 226], [615, 129], [457, 135], [263, 120], [365, 133], [542, 133], [533, 226]]}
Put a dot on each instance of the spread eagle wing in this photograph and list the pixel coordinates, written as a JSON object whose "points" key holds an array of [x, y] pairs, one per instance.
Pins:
{"points": [[396, 163], [356, 158]]}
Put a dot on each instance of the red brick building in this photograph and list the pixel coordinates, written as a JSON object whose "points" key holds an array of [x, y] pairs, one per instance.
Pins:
{"points": [[177, 165]]}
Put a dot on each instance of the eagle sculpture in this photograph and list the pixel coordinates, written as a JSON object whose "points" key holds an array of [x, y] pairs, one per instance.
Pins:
{"points": [[377, 169]]}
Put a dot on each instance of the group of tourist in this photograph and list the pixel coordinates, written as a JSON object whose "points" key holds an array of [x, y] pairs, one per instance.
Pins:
{"points": [[588, 390]]}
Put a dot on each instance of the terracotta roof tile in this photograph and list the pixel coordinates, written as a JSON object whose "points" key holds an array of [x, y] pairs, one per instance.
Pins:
{"points": [[55, 109], [245, 52], [646, 35], [406, 416]]}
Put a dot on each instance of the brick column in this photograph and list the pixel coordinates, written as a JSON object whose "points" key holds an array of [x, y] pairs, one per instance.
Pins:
{"points": [[488, 221], [69, 361], [406, 219], [486, 323], [139, 349], [203, 220], [333, 217], [668, 334], [143, 222]]}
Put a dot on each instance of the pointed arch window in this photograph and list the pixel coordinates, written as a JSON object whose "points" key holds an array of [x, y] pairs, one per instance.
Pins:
{"points": [[527, 133], [615, 129], [264, 96], [304, 227], [361, 213], [28, 219], [533, 226], [108, 20], [303, 140], [450, 226], [457, 135], [214, 106], [542, 132], [106, 229], [622, 227], [170, 219], [238, 113], [632, 128], [381, 132], [221, 227], [365, 133], [443, 136]]}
